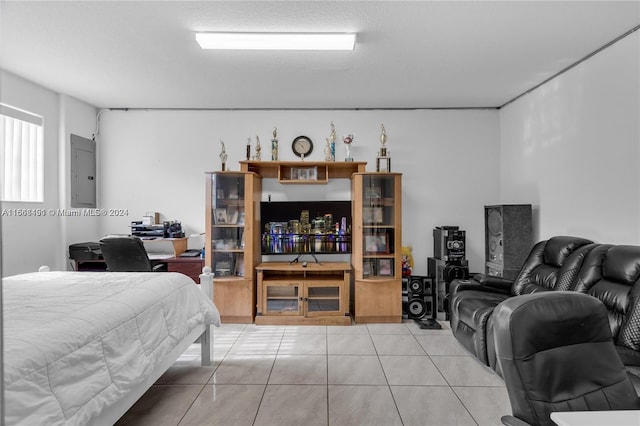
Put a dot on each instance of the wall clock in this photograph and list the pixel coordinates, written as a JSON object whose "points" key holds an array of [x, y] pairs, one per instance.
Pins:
{"points": [[302, 146]]}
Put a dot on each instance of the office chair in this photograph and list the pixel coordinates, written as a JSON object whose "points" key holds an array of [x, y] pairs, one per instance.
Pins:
{"points": [[557, 353], [126, 254]]}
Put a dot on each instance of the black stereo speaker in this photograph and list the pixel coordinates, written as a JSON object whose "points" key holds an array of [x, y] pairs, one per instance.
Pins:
{"points": [[443, 273], [508, 238], [419, 297], [449, 243]]}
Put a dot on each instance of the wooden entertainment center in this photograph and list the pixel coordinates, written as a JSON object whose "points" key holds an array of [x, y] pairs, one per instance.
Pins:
{"points": [[248, 290]]}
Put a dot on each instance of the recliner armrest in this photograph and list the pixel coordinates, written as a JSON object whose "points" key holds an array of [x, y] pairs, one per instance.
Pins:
{"points": [[500, 284], [513, 421]]}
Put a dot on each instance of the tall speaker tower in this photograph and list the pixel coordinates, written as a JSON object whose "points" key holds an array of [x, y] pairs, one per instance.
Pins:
{"points": [[508, 238]]}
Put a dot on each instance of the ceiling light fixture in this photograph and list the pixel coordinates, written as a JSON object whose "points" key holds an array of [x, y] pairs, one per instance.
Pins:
{"points": [[276, 41]]}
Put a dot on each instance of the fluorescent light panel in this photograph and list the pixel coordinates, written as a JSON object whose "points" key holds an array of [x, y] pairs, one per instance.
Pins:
{"points": [[276, 41]]}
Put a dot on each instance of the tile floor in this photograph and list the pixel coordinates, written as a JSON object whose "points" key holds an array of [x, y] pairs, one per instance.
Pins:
{"points": [[375, 374]]}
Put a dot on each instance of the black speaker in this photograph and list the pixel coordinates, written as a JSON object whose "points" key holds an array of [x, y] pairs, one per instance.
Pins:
{"points": [[419, 297], [454, 271], [416, 285], [449, 243], [508, 238], [416, 306], [443, 273]]}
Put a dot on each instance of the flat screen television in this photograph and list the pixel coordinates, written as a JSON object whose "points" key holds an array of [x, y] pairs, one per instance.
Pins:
{"points": [[299, 227]]}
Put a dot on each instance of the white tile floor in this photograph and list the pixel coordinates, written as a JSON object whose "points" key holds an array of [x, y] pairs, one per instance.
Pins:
{"points": [[376, 374]]}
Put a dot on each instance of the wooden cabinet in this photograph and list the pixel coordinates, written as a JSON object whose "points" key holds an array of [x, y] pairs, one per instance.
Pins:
{"points": [[377, 245], [317, 293], [231, 249], [189, 266]]}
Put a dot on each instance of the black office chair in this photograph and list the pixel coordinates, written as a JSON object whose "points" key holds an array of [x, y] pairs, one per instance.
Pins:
{"points": [[557, 354], [127, 254]]}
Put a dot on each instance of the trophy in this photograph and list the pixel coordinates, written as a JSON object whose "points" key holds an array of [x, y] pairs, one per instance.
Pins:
{"points": [[223, 156], [348, 140], [383, 160], [258, 149], [274, 145], [332, 142]]}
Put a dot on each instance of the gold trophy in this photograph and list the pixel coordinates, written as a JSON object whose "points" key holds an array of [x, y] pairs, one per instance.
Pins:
{"points": [[383, 160], [274, 145], [223, 156]]}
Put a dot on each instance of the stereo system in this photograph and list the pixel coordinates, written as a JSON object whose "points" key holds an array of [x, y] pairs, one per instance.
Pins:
{"points": [[448, 262], [508, 238], [419, 297], [449, 243]]}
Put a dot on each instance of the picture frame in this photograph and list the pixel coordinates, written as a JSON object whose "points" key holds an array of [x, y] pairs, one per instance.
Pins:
{"points": [[385, 267], [372, 214], [374, 192], [232, 215], [220, 216], [368, 268], [239, 266], [376, 243], [233, 194], [304, 173]]}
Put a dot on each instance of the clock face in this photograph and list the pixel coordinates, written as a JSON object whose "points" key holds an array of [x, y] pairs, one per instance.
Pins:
{"points": [[302, 146]]}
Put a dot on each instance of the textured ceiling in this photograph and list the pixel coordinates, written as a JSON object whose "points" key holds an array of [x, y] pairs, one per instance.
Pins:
{"points": [[409, 54]]}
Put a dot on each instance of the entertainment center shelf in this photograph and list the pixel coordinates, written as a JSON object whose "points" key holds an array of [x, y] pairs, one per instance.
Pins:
{"points": [[285, 171], [241, 230], [303, 293]]}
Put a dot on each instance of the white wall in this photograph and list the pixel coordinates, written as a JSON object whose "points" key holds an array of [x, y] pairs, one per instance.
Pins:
{"points": [[78, 118], [29, 242], [572, 149], [155, 160]]}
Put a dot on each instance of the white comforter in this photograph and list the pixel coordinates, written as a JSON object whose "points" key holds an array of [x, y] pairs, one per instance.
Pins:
{"points": [[77, 342]]}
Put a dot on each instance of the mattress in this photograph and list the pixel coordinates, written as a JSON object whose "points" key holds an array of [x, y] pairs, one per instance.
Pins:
{"points": [[75, 343]]}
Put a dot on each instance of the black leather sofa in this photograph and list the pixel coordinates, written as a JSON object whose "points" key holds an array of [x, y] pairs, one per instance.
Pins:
{"points": [[609, 273], [552, 265]]}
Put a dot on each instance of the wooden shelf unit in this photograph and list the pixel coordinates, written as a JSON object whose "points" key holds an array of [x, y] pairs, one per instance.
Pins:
{"points": [[231, 248], [325, 170], [377, 247], [296, 294]]}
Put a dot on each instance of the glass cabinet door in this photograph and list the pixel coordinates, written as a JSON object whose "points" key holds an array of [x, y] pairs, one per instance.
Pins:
{"points": [[228, 225], [322, 299], [378, 226], [282, 298]]}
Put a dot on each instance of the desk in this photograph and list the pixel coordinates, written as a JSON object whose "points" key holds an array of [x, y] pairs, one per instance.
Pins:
{"points": [[189, 266], [179, 244], [597, 418]]}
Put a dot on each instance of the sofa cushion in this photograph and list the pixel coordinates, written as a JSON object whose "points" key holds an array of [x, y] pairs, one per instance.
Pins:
{"points": [[472, 305]]}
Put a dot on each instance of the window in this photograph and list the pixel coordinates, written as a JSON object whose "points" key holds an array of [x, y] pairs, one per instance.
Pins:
{"points": [[22, 160]]}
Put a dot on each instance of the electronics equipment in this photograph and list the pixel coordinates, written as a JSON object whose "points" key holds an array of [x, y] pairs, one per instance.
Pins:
{"points": [[443, 273], [508, 238], [138, 229], [449, 243], [419, 297], [85, 251], [173, 229]]}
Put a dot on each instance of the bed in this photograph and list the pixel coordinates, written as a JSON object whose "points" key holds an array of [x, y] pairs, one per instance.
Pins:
{"points": [[81, 348]]}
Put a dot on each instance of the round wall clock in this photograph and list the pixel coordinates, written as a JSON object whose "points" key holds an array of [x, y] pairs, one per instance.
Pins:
{"points": [[302, 146]]}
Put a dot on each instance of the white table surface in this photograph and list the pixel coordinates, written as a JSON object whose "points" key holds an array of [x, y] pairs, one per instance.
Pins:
{"points": [[597, 418]]}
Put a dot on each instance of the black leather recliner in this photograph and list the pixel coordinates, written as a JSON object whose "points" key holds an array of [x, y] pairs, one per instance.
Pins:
{"points": [[556, 352], [552, 265], [611, 274], [126, 254]]}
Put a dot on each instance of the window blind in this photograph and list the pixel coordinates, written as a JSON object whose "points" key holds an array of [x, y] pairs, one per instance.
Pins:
{"points": [[22, 163]]}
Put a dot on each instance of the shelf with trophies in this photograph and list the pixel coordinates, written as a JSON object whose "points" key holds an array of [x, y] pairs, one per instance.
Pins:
{"points": [[377, 244], [231, 251]]}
